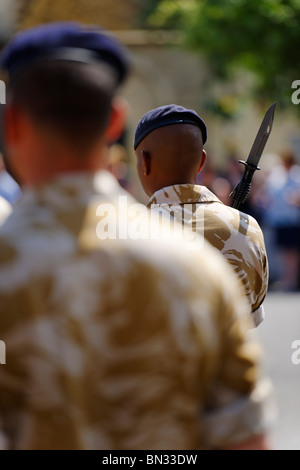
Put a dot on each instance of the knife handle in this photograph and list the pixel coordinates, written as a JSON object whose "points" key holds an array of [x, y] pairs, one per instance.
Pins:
{"points": [[242, 190]]}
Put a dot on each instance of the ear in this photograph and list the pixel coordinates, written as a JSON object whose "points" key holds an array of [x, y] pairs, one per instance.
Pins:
{"points": [[203, 159], [118, 118], [146, 162], [18, 128], [10, 126]]}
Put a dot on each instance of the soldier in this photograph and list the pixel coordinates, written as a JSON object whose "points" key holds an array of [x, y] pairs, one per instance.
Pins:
{"points": [[169, 149], [111, 342]]}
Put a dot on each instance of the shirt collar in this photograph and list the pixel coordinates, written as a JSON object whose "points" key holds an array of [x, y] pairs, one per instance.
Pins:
{"points": [[183, 194], [71, 189]]}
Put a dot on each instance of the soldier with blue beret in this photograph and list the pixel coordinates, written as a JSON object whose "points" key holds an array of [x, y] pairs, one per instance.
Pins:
{"points": [[169, 143]]}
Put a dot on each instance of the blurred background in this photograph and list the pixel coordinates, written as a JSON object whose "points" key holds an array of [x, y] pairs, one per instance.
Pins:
{"points": [[229, 61]]}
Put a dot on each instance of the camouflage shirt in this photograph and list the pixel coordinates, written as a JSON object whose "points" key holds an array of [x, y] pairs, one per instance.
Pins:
{"points": [[237, 235], [119, 342]]}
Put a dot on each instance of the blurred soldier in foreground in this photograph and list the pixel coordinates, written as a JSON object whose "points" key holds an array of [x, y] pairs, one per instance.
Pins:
{"points": [[113, 342], [169, 148]]}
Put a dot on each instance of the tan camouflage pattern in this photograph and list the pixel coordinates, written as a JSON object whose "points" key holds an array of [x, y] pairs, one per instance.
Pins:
{"points": [[5, 209], [119, 344], [237, 235]]}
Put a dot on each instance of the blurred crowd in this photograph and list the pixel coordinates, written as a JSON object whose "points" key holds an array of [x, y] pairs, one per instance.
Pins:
{"points": [[274, 201]]}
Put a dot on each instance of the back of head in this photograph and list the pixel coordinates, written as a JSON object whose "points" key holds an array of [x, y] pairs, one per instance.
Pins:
{"points": [[64, 76], [71, 100], [172, 138]]}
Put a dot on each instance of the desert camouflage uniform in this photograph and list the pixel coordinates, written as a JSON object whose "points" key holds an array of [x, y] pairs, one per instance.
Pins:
{"points": [[119, 343], [237, 235], [5, 209]]}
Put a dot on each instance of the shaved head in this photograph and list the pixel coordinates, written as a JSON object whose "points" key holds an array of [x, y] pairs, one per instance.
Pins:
{"points": [[170, 155]]}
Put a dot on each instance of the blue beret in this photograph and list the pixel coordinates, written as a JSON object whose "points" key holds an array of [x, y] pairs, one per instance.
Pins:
{"points": [[65, 41], [165, 116]]}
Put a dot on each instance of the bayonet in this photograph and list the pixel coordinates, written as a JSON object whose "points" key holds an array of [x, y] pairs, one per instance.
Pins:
{"points": [[241, 192]]}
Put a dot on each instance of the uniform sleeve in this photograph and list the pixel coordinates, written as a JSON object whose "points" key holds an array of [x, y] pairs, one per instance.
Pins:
{"points": [[240, 400], [261, 281], [246, 252]]}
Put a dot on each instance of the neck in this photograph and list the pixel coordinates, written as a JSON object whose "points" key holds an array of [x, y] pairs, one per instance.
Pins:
{"points": [[41, 175], [192, 179], [44, 166]]}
